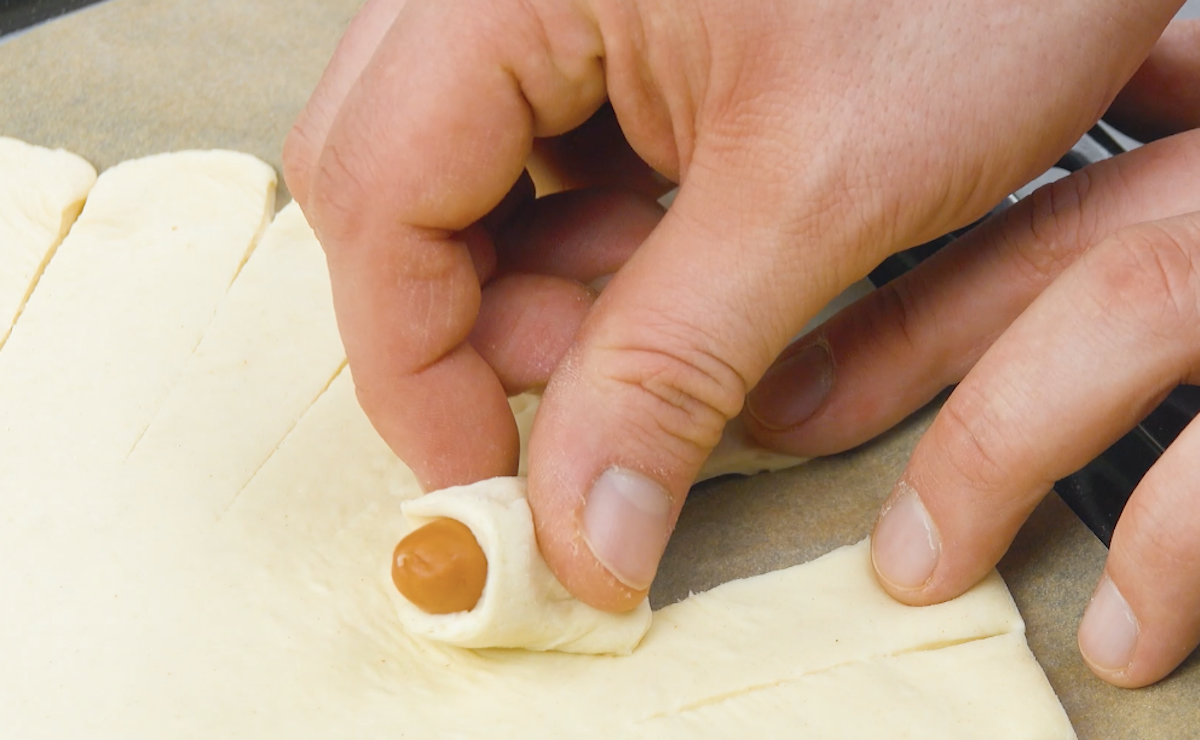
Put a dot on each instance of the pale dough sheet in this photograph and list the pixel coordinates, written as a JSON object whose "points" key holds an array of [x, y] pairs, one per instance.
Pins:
{"points": [[120, 308], [198, 517], [928, 693], [41, 193]]}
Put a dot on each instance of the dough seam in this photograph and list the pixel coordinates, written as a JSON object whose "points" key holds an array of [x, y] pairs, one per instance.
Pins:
{"points": [[37, 276], [798, 678], [268, 216], [284, 438], [57, 171]]}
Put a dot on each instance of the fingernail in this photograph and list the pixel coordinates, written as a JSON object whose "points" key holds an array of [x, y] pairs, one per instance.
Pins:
{"points": [[791, 391], [626, 522], [906, 545], [1109, 631]]}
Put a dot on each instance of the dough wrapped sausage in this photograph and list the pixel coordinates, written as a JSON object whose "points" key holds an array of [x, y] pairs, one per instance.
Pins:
{"points": [[523, 605]]}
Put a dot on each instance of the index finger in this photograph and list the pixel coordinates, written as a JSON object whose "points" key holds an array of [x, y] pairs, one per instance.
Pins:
{"points": [[430, 138]]}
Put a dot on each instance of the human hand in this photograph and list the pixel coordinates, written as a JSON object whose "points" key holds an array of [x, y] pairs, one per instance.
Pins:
{"points": [[1064, 321], [810, 140]]}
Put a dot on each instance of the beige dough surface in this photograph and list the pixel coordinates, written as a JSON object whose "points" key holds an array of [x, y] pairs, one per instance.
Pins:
{"points": [[197, 518], [41, 192]]}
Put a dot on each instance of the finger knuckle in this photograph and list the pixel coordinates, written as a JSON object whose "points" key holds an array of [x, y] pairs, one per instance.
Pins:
{"points": [[1156, 542], [889, 318], [685, 392], [1148, 274], [973, 443], [298, 149], [340, 191], [1057, 228]]}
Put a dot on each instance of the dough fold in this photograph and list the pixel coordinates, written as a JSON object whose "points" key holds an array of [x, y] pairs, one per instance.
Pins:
{"points": [[523, 605]]}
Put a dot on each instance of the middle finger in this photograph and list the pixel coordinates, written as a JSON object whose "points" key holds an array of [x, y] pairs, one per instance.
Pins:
{"points": [[1079, 368], [897, 348], [548, 253]]}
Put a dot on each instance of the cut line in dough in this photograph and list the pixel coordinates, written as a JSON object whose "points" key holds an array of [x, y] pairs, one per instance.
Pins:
{"points": [[41, 193]]}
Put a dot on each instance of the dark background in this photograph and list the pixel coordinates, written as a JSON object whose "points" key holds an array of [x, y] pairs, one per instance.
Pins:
{"points": [[17, 14]]}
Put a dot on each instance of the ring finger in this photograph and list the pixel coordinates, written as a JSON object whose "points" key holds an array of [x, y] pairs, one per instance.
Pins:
{"points": [[1116, 332], [1145, 616]]}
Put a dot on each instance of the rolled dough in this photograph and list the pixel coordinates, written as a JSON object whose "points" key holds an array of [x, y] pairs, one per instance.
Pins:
{"points": [[197, 518], [523, 605]]}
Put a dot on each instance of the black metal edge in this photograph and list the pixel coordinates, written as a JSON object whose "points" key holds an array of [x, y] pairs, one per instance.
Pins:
{"points": [[19, 14]]}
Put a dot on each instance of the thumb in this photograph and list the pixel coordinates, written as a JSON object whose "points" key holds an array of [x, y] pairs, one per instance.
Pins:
{"points": [[661, 363]]}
